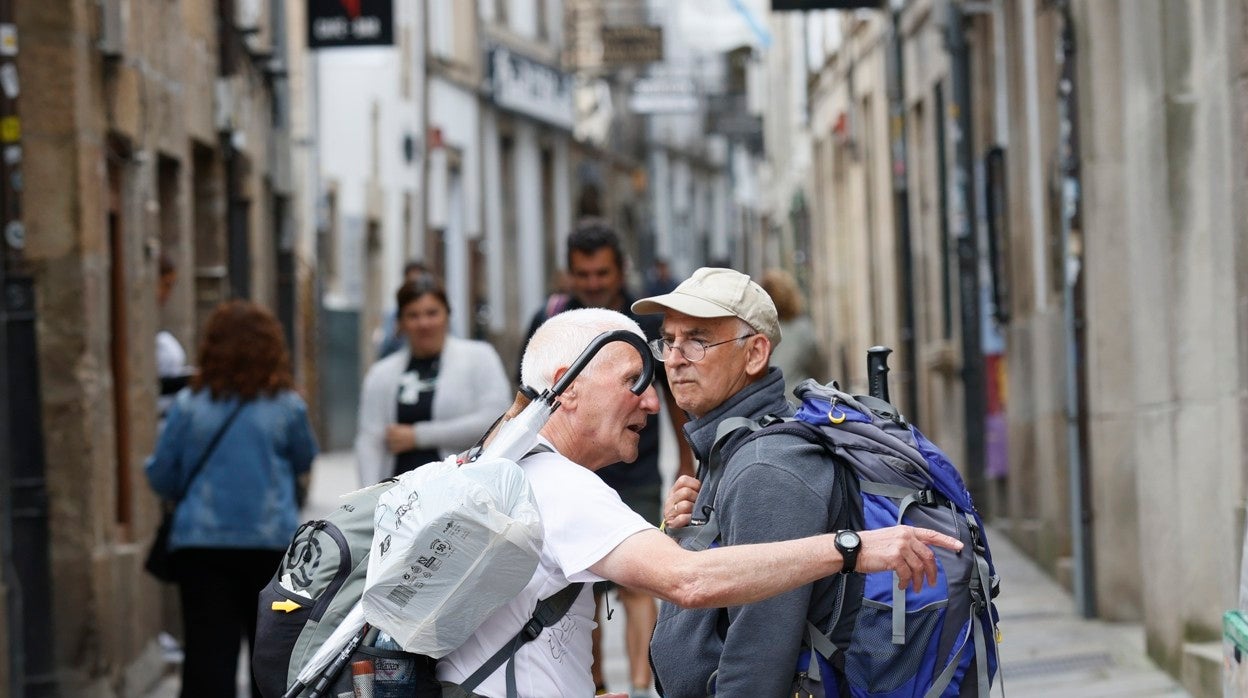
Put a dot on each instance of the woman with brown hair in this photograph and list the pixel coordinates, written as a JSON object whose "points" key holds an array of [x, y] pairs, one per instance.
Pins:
{"points": [[236, 448], [434, 397]]}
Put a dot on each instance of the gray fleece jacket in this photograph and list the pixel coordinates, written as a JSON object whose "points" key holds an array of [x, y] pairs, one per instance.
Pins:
{"points": [[775, 487]]}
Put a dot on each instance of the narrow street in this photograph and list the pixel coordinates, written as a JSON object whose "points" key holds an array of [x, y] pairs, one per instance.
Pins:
{"points": [[1035, 206]]}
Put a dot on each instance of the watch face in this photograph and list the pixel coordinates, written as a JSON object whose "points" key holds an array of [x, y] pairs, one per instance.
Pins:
{"points": [[848, 539]]}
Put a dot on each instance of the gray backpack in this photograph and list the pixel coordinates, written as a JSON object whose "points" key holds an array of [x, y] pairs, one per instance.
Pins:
{"points": [[327, 559], [319, 581]]}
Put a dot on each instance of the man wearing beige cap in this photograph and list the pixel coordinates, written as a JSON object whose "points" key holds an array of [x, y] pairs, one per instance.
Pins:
{"points": [[719, 329]]}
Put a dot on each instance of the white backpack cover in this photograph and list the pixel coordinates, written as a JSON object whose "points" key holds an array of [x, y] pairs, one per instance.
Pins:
{"points": [[451, 545]]}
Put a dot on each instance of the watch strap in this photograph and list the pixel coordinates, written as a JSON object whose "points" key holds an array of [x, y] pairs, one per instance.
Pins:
{"points": [[849, 556]]}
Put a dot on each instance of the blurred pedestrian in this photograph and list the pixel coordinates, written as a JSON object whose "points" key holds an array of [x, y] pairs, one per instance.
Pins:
{"points": [[235, 453], [659, 280], [799, 356], [433, 397], [595, 262], [171, 368], [391, 337]]}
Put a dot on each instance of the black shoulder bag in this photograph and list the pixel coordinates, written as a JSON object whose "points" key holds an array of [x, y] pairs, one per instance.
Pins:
{"points": [[159, 561]]}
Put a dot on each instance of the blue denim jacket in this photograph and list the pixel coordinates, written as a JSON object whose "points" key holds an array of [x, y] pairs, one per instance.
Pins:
{"points": [[244, 495]]}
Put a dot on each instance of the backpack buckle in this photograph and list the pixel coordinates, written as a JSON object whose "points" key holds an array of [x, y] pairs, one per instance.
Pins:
{"points": [[834, 416], [532, 629], [925, 497], [979, 596]]}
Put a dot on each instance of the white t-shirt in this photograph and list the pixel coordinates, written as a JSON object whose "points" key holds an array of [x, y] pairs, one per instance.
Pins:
{"points": [[582, 520], [170, 357], [170, 361]]}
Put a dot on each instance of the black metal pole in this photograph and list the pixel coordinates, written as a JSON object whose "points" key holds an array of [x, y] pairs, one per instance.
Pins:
{"points": [[27, 487], [15, 658], [1080, 481], [23, 493], [974, 388]]}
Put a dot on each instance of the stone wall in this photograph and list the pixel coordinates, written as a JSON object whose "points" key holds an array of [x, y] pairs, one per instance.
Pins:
{"points": [[108, 141]]}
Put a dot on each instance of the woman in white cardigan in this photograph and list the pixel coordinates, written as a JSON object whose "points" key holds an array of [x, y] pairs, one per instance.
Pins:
{"points": [[435, 397]]}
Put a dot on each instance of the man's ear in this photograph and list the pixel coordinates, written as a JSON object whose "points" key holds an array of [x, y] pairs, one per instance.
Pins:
{"points": [[568, 398], [758, 356]]}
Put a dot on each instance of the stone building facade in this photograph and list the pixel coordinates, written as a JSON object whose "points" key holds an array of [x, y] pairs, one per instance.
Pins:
{"points": [[1165, 178], [149, 128], [1089, 153]]}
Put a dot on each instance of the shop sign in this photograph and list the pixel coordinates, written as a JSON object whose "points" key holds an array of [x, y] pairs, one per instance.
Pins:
{"points": [[664, 94], [632, 45], [339, 23], [530, 88], [735, 124], [788, 5]]}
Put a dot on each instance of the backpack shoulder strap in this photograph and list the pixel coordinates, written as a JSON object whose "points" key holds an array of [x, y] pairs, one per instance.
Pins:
{"points": [[548, 612], [703, 534], [844, 513], [723, 431]]}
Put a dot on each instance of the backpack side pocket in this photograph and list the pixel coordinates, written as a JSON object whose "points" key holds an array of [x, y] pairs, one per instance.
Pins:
{"points": [[875, 666], [318, 563]]}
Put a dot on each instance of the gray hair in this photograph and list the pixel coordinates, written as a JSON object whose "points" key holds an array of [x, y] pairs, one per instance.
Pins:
{"points": [[562, 338], [744, 328]]}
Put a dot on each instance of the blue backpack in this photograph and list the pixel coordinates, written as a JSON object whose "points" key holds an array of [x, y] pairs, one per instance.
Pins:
{"points": [[881, 641]]}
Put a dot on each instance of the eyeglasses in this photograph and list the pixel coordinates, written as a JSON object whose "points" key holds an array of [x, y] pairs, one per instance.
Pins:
{"points": [[694, 350]]}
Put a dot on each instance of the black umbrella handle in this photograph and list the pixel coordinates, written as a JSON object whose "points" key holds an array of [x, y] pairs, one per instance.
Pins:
{"points": [[877, 372], [647, 362]]}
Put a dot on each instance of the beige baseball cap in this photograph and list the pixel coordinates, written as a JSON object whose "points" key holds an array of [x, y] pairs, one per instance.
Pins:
{"points": [[717, 292]]}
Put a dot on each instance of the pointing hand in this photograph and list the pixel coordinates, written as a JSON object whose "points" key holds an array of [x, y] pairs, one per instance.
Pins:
{"points": [[905, 550]]}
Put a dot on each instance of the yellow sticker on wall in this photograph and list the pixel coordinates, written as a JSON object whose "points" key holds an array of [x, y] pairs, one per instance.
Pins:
{"points": [[10, 129]]}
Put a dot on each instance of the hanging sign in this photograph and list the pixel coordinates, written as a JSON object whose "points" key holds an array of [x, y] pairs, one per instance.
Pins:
{"points": [[632, 45], [338, 23], [663, 94], [787, 5], [533, 89]]}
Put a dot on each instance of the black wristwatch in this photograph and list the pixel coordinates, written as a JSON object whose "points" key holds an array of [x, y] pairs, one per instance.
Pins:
{"points": [[849, 543]]}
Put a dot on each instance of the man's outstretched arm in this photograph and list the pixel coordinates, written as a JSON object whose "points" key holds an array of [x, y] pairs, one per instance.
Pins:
{"points": [[741, 574]]}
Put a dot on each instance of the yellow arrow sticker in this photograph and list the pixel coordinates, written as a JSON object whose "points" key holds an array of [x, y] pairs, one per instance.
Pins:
{"points": [[286, 606], [10, 129]]}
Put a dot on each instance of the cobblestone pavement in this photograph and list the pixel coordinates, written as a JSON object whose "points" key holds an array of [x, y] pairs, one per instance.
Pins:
{"points": [[1048, 650]]}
